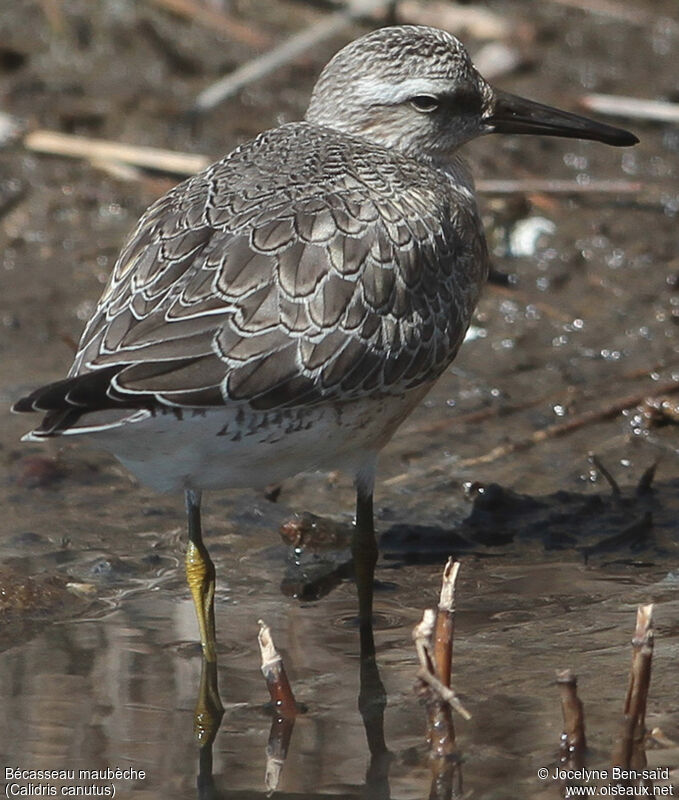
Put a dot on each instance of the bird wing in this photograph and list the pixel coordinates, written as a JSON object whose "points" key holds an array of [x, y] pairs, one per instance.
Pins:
{"points": [[248, 284]]}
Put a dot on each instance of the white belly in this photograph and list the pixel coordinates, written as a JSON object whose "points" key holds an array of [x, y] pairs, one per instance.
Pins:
{"points": [[238, 447]]}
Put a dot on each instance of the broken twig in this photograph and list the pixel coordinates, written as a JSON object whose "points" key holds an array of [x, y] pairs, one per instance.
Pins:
{"points": [[422, 635], [568, 426], [433, 638], [446, 694]]}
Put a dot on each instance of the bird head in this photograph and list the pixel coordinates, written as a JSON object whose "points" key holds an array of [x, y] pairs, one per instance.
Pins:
{"points": [[415, 89]]}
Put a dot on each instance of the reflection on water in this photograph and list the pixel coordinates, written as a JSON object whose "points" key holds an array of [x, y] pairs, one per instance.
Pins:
{"points": [[121, 690]]}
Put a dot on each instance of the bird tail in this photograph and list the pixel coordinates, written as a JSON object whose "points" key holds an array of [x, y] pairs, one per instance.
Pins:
{"points": [[64, 402]]}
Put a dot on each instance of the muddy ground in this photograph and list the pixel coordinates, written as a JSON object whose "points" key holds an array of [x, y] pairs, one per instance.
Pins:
{"points": [[554, 558]]}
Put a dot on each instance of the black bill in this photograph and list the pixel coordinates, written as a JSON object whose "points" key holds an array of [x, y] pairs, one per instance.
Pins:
{"points": [[513, 114]]}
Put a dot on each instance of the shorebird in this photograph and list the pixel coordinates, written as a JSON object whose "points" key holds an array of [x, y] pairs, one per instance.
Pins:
{"points": [[287, 308]]}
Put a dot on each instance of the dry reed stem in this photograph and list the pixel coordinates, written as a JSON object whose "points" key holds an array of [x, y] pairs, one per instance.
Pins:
{"points": [[423, 636], [444, 630], [629, 752], [434, 644], [97, 150]]}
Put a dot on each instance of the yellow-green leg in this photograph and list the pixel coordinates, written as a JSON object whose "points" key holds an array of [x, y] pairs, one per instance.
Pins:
{"points": [[209, 710], [200, 575]]}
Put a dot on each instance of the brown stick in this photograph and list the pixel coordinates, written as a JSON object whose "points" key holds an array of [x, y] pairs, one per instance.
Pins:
{"points": [[274, 673], [629, 752], [444, 629], [434, 650], [423, 637], [218, 21], [562, 428], [573, 741]]}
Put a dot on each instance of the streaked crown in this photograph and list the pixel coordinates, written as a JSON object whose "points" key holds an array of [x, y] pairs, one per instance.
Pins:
{"points": [[385, 86]]}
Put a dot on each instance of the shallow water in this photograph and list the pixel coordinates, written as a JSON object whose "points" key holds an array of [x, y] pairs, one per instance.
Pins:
{"points": [[106, 674]]}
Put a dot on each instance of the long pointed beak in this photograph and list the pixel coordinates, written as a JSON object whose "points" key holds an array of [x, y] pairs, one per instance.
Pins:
{"points": [[513, 114]]}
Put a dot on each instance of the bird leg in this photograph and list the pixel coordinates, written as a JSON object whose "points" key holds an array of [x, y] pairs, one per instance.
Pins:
{"points": [[200, 575], [364, 552], [209, 710], [372, 697]]}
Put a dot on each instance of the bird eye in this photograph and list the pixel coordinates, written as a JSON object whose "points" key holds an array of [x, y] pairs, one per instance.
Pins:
{"points": [[425, 103]]}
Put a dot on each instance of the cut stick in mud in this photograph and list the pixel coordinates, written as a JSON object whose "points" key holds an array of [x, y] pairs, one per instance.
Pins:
{"points": [[433, 638], [629, 752], [444, 630], [573, 741], [285, 708], [274, 673]]}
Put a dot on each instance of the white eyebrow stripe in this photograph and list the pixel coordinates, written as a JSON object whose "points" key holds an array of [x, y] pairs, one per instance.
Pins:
{"points": [[385, 92]]}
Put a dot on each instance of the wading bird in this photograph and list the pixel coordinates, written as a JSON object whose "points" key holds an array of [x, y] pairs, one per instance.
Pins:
{"points": [[287, 308]]}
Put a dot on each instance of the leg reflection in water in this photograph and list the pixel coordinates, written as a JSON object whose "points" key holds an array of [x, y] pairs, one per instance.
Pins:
{"points": [[372, 698]]}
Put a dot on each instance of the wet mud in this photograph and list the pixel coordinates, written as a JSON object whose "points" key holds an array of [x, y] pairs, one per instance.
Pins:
{"points": [[536, 459]]}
